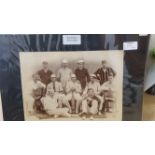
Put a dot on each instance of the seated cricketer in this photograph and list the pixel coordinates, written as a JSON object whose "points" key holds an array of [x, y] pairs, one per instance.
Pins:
{"points": [[57, 87], [36, 91], [90, 104], [51, 105], [108, 90], [95, 85], [73, 91]]}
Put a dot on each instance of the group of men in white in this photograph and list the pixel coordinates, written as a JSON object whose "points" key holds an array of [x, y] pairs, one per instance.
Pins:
{"points": [[70, 93]]}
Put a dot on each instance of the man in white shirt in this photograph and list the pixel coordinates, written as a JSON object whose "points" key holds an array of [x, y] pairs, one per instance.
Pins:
{"points": [[36, 89], [64, 74], [90, 104], [57, 87], [108, 90], [73, 90], [95, 85], [51, 105]]}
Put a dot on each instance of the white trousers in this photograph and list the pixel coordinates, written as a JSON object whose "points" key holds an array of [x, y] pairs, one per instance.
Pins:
{"points": [[58, 111], [76, 96], [30, 103], [93, 109]]}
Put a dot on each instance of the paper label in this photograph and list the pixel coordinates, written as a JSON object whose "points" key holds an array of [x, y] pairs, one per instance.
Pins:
{"points": [[71, 39], [131, 45]]}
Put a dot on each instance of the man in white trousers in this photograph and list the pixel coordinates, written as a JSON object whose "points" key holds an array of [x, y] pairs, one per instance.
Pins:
{"points": [[95, 85], [57, 87], [51, 105], [35, 90], [64, 73], [73, 90], [108, 90], [90, 104]]}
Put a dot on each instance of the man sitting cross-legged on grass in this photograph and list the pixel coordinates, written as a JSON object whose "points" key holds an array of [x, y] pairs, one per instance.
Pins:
{"points": [[51, 105]]}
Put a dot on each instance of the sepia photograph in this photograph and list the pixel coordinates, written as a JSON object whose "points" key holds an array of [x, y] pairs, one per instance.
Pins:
{"points": [[82, 85]]}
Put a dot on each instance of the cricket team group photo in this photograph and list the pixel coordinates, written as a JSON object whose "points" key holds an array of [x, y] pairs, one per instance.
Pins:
{"points": [[73, 89]]}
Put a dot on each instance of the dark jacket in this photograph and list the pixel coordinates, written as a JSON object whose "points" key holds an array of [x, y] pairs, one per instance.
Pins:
{"points": [[83, 76], [103, 76], [45, 76]]}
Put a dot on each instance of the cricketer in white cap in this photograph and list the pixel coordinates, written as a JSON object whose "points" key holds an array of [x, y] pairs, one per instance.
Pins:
{"points": [[64, 73]]}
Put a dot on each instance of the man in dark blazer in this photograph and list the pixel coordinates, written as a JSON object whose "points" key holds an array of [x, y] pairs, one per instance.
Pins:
{"points": [[103, 72], [82, 74], [45, 73]]}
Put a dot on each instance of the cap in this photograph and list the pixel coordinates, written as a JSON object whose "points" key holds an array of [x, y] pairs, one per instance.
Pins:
{"points": [[104, 61], [53, 76], [73, 76], [64, 61], [45, 62], [93, 75], [110, 74], [50, 91], [80, 61]]}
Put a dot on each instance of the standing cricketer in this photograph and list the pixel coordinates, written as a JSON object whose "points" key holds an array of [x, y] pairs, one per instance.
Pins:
{"points": [[45, 73], [103, 72], [64, 74], [82, 74]]}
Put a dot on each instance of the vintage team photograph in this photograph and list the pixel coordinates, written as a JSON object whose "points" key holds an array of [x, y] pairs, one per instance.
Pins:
{"points": [[83, 85]]}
